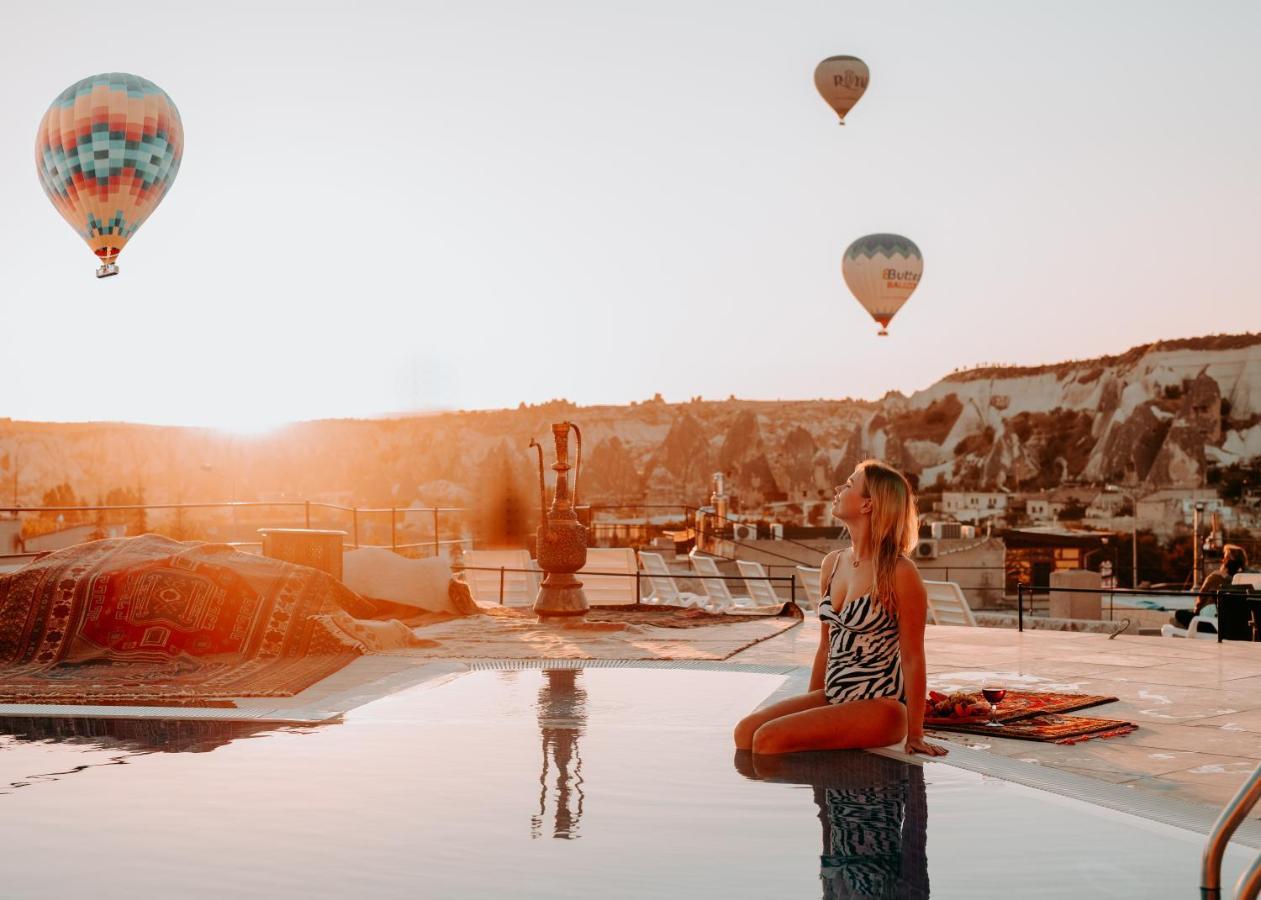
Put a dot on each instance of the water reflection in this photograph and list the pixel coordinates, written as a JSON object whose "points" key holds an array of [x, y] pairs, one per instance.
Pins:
{"points": [[139, 735], [131, 737], [874, 817], [562, 713]]}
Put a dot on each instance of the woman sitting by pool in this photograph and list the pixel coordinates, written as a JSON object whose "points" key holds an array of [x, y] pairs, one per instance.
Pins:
{"points": [[868, 684]]}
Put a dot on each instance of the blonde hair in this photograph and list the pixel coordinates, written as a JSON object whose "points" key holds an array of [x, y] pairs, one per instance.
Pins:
{"points": [[1234, 558], [894, 524]]}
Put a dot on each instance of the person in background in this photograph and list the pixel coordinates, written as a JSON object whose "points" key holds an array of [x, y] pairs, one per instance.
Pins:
{"points": [[1234, 560]]}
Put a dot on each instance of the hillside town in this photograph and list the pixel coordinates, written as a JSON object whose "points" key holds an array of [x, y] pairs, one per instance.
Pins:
{"points": [[1139, 466]]}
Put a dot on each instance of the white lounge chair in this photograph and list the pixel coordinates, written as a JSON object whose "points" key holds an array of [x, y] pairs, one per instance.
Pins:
{"points": [[947, 605], [520, 588], [665, 590], [720, 596], [1251, 579], [1208, 615], [761, 590], [609, 590], [812, 582]]}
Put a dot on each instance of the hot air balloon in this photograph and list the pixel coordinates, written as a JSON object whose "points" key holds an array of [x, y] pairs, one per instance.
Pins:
{"points": [[882, 271], [107, 151], [841, 80]]}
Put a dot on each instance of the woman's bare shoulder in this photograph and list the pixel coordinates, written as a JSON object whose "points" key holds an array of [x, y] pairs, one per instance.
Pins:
{"points": [[906, 574]]}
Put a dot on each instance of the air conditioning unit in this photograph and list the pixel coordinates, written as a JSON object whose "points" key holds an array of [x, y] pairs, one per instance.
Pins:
{"points": [[947, 531], [744, 532], [777, 531], [926, 548]]}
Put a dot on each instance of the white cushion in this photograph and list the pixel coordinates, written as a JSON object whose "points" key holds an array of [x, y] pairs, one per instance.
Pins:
{"points": [[384, 575]]}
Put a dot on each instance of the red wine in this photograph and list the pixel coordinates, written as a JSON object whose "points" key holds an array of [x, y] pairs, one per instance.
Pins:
{"points": [[993, 695]]}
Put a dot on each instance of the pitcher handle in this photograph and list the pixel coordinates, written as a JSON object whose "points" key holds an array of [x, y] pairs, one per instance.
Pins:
{"points": [[577, 462], [542, 485]]}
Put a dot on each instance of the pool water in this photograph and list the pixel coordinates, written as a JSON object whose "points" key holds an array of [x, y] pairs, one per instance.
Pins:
{"points": [[550, 783]]}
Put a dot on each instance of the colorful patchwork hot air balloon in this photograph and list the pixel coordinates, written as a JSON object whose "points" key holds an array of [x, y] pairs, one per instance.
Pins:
{"points": [[107, 151], [841, 80], [882, 271]]}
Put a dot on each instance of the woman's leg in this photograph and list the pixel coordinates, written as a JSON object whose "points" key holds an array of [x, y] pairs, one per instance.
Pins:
{"points": [[858, 724], [752, 722]]}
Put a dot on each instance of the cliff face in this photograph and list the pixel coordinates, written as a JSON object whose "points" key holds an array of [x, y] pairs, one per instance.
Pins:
{"points": [[1160, 414]]}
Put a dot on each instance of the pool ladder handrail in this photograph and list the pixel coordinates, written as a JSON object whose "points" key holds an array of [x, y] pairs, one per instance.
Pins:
{"points": [[1233, 814]]}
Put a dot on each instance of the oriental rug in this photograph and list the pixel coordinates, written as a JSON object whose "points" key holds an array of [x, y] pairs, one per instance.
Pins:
{"points": [[1052, 728], [1021, 704], [1038, 716], [151, 621]]}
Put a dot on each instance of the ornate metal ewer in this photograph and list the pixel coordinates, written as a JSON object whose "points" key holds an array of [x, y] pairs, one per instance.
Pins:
{"points": [[562, 540]]}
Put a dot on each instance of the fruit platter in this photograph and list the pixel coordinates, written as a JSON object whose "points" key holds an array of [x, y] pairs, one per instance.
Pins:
{"points": [[960, 706]]}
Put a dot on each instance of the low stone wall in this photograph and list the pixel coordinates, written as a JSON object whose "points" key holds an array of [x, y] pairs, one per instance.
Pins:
{"points": [[1137, 618]]}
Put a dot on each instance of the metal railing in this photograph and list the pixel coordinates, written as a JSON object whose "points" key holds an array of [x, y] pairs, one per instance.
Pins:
{"points": [[436, 542], [1028, 592], [639, 575], [1233, 814]]}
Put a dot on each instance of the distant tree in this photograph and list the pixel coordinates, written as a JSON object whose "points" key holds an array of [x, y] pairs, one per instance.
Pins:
{"points": [[137, 521], [63, 495]]}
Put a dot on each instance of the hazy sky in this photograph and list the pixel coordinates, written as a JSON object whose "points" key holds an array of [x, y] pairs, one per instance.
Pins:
{"points": [[470, 204]]}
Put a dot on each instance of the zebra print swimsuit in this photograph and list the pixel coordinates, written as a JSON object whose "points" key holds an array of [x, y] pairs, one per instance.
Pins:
{"points": [[864, 661]]}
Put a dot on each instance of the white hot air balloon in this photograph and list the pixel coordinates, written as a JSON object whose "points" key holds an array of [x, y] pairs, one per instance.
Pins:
{"points": [[882, 271], [841, 80]]}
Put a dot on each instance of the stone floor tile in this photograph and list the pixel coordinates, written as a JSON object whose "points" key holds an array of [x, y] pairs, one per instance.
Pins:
{"points": [[1247, 720]]}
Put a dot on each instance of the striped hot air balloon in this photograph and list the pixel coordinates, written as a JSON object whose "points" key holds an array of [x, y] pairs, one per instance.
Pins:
{"points": [[882, 271], [107, 151]]}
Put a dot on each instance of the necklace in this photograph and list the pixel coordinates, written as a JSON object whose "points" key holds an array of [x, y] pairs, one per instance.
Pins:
{"points": [[856, 562]]}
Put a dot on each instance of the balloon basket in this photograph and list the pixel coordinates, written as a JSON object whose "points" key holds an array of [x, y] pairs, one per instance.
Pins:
{"points": [[107, 270], [882, 333]]}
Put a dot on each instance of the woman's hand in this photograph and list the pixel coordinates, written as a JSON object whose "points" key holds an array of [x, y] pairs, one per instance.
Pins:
{"points": [[917, 744]]}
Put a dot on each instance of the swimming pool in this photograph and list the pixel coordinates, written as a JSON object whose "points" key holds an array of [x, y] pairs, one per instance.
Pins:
{"points": [[559, 782]]}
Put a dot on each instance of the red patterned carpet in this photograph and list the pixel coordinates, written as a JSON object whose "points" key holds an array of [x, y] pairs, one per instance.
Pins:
{"points": [[152, 621], [1032, 716]]}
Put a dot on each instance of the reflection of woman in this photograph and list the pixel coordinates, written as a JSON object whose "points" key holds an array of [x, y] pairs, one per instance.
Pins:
{"points": [[874, 816], [868, 683]]}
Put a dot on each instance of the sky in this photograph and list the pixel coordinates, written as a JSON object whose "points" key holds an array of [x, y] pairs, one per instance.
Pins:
{"points": [[386, 207]]}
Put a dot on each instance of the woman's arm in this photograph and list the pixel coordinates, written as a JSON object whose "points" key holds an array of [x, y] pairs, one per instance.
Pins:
{"points": [[912, 614], [819, 669]]}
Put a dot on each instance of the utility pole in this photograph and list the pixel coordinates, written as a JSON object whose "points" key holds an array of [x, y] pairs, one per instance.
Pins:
{"points": [[1195, 544]]}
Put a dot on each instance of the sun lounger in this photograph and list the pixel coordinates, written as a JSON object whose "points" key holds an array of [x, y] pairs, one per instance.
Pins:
{"points": [[947, 605], [520, 588], [811, 582], [1207, 616], [608, 590], [720, 596], [665, 590], [760, 590]]}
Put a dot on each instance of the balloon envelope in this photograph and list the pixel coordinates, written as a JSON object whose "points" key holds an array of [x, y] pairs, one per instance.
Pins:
{"points": [[107, 151], [841, 80], [882, 271]]}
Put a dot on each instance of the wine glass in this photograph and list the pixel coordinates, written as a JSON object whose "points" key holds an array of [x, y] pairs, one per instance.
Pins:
{"points": [[993, 696]]}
